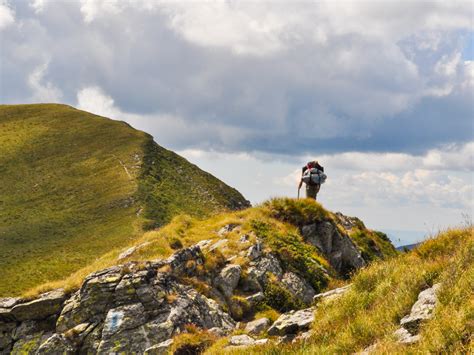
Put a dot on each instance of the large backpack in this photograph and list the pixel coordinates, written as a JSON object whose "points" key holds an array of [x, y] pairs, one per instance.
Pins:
{"points": [[314, 177]]}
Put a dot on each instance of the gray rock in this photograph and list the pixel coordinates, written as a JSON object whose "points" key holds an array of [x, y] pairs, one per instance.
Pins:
{"points": [[30, 343], [6, 336], [226, 229], [265, 265], [127, 253], [292, 322], [349, 222], [9, 302], [255, 251], [338, 248], [218, 245], [241, 340], [92, 301], [56, 344], [160, 349], [179, 261], [257, 326], [123, 318], [228, 279], [299, 287], [203, 244], [29, 327], [332, 294], [422, 309], [255, 299], [47, 304], [405, 337], [218, 332]]}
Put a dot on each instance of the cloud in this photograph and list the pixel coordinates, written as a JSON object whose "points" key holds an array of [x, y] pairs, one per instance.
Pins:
{"points": [[43, 91], [256, 77], [7, 15], [93, 99]]}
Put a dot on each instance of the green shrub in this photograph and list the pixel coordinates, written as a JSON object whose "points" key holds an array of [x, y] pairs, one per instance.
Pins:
{"points": [[279, 298]]}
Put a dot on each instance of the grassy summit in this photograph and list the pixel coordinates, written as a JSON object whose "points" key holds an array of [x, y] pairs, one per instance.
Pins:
{"points": [[74, 185]]}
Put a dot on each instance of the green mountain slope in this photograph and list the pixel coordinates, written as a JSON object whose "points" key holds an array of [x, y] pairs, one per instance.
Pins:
{"points": [[73, 185]]}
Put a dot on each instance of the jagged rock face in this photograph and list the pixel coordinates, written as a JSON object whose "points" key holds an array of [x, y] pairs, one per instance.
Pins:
{"points": [[138, 308], [337, 247], [119, 309]]}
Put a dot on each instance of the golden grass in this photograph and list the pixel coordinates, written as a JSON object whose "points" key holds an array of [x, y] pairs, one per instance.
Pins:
{"points": [[385, 291]]}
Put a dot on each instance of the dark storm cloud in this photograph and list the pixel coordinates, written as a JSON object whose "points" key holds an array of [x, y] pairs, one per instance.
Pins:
{"points": [[291, 93]]}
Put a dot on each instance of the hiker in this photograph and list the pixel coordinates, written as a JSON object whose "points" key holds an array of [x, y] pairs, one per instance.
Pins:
{"points": [[313, 176]]}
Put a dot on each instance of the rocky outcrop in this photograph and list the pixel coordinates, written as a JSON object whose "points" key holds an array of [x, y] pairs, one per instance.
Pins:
{"points": [[120, 309], [228, 279], [420, 312], [257, 326], [293, 322], [337, 247], [140, 307]]}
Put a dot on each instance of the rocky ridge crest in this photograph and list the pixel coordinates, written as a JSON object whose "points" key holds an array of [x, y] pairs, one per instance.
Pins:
{"points": [[139, 307]]}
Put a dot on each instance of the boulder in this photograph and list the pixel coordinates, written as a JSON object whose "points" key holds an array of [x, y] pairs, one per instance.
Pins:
{"points": [[299, 287], [268, 264], [292, 322], [422, 309], [160, 349], [241, 340], [228, 279], [405, 337], [332, 294], [338, 248], [47, 304], [257, 326]]}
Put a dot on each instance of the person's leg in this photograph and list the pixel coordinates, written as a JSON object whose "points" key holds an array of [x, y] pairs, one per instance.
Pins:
{"points": [[316, 188], [311, 191]]}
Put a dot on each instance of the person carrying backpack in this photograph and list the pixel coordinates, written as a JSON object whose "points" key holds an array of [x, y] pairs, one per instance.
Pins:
{"points": [[313, 176]]}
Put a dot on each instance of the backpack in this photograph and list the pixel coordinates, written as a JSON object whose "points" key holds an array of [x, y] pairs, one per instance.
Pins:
{"points": [[314, 177]]}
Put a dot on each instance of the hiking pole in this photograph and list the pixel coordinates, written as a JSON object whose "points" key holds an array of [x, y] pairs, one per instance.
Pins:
{"points": [[299, 192]]}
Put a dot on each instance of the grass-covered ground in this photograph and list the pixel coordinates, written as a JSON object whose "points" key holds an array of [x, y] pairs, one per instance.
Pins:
{"points": [[275, 222], [385, 291], [75, 185]]}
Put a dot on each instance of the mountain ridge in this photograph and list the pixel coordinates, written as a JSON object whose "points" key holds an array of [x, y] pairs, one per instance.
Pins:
{"points": [[76, 184]]}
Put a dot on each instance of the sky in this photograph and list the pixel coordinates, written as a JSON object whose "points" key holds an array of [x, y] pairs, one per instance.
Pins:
{"points": [[379, 92]]}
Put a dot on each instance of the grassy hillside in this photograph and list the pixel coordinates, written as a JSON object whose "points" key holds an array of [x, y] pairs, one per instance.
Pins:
{"points": [[384, 292], [75, 185], [276, 223]]}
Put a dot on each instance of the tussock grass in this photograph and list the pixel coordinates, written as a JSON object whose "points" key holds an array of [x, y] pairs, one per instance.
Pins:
{"points": [[385, 291], [276, 231]]}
